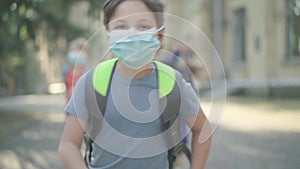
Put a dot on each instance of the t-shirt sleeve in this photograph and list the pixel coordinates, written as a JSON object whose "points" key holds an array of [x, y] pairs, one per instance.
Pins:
{"points": [[76, 106], [190, 102]]}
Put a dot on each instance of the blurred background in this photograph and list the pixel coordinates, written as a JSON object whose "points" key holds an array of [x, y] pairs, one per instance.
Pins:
{"points": [[258, 42]]}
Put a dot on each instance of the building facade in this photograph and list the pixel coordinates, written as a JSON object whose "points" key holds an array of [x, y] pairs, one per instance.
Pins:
{"points": [[258, 41]]}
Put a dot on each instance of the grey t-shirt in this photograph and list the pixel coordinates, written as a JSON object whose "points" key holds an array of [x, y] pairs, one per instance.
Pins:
{"points": [[128, 135]]}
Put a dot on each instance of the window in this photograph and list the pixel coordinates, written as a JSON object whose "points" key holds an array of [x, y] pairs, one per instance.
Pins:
{"points": [[293, 28], [239, 53]]}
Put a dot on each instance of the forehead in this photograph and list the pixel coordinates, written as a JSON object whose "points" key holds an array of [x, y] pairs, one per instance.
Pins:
{"points": [[133, 10]]}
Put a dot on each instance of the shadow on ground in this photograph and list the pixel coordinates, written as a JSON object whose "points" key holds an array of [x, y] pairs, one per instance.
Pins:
{"points": [[31, 127], [245, 150], [33, 144]]}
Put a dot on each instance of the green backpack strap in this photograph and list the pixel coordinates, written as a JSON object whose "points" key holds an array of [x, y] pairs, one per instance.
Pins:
{"points": [[166, 78], [169, 90], [101, 79], [102, 76], [103, 72]]}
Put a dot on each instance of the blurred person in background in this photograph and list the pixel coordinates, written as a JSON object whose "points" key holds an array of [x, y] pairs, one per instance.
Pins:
{"points": [[178, 60], [77, 58]]}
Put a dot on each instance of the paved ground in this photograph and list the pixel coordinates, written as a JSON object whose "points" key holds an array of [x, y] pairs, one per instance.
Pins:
{"points": [[30, 130], [253, 134], [257, 134]]}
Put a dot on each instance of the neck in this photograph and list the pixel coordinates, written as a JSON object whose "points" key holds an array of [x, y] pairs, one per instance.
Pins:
{"points": [[134, 73]]}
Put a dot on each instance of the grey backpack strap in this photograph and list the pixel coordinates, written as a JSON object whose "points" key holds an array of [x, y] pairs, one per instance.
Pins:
{"points": [[91, 103], [95, 116], [95, 104], [171, 120]]}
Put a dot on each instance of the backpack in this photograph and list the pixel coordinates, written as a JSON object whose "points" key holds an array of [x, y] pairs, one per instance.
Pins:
{"points": [[96, 98]]}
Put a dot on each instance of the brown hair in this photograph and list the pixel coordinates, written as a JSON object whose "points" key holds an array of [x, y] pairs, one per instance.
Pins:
{"points": [[154, 5]]}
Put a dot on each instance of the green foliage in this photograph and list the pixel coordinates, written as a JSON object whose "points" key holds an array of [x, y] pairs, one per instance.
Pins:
{"points": [[20, 21]]}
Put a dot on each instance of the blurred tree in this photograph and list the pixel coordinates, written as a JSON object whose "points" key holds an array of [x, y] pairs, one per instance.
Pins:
{"points": [[32, 32]]}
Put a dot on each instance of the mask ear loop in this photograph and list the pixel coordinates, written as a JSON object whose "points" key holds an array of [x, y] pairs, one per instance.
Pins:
{"points": [[161, 28], [153, 30]]}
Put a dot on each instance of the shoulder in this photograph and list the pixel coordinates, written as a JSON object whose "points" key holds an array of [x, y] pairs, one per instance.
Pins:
{"points": [[80, 85], [77, 103]]}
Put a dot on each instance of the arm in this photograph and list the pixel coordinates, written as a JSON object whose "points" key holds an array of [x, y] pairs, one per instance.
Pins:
{"points": [[69, 147], [200, 149]]}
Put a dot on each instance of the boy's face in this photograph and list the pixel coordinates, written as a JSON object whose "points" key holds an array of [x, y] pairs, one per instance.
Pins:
{"points": [[132, 14]]}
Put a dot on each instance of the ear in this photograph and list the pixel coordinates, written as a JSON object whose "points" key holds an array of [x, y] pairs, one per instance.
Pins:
{"points": [[160, 35]]}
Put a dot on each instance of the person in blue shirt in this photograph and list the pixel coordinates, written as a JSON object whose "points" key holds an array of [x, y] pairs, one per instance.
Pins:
{"points": [[135, 34]]}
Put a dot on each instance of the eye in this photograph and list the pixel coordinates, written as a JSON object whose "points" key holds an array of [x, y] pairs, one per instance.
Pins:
{"points": [[143, 27], [120, 27]]}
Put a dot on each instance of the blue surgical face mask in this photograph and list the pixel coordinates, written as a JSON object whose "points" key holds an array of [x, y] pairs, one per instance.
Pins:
{"points": [[77, 57], [134, 48]]}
